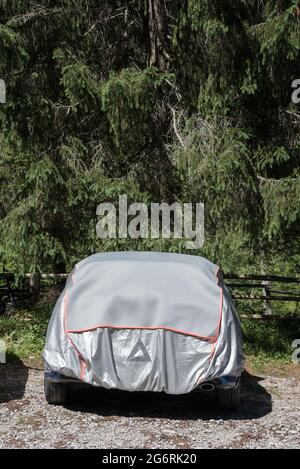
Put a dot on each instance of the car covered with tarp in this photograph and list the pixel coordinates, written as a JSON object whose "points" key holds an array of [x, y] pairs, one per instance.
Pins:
{"points": [[145, 321]]}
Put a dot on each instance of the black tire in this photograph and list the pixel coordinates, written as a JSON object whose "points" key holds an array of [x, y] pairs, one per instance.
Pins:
{"points": [[229, 399], [55, 393]]}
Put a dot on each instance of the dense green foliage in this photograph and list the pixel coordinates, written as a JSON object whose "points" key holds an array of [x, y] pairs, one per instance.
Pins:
{"points": [[269, 337], [89, 116], [24, 333]]}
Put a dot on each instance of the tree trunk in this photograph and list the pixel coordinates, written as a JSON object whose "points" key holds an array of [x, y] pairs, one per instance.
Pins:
{"points": [[157, 21]]}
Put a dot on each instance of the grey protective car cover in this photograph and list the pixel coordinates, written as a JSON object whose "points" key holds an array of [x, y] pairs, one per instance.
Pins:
{"points": [[142, 321]]}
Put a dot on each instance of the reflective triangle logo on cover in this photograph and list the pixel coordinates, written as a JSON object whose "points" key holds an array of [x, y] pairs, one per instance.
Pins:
{"points": [[139, 353]]}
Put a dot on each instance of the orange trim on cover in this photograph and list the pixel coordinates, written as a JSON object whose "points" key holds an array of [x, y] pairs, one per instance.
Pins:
{"points": [[80, 358], [214, 343], [172, 329], [218, 329]]}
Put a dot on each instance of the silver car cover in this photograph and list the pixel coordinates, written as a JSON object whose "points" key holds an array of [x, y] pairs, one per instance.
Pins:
{"points": [[142, 321]]}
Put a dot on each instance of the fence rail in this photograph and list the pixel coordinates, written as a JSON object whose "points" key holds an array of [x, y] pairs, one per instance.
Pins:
{"points": [[275, 278], [265, 288]]}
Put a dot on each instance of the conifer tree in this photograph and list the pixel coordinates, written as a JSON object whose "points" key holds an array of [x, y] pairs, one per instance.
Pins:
{"points": [[186, 100]]}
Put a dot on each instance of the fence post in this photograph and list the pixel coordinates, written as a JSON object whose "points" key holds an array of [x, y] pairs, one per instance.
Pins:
{"points": [[35, 282], [268, 306]]}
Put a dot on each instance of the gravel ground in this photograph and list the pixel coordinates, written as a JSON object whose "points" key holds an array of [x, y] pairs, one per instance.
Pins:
{"points": [[269, 416]]}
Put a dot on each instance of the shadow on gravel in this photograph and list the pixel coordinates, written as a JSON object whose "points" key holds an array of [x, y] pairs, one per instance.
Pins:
{"points": [[255, 403], [13, 379]]}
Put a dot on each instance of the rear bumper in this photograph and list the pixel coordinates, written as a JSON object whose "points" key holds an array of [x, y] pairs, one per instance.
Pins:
{"points": [[225, 382]]}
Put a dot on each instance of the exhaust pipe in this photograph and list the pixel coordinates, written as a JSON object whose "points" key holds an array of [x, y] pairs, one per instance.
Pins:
{"points": [[207, 387]]}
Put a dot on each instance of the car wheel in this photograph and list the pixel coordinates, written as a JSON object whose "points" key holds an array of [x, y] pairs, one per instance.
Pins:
{"points": [[229, 399], [55, 393]]}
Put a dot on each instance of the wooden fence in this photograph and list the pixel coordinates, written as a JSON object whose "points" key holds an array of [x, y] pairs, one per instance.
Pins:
{"points": [[266, 289]]}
